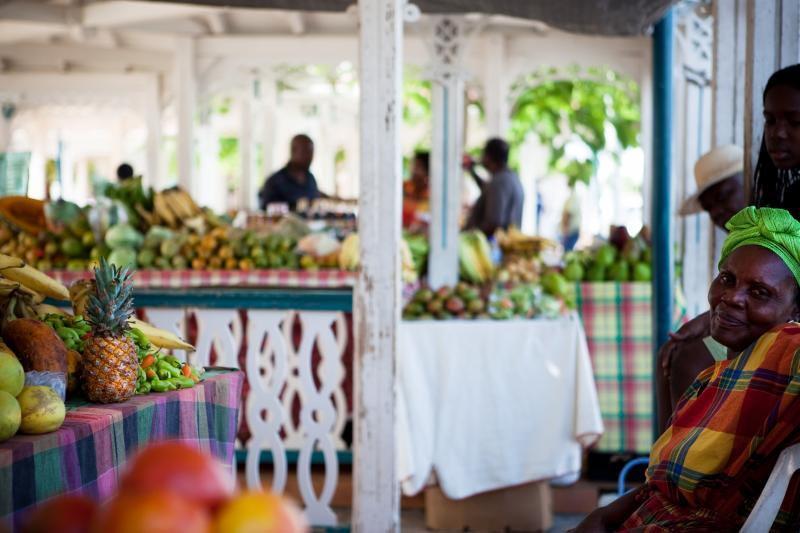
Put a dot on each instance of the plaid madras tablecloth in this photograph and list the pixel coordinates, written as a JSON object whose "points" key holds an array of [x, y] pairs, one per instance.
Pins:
{"points": [[85, 455], [180, 279], [617, 318]]}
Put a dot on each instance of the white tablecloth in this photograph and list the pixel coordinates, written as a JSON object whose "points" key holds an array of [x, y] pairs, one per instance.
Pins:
{"points": [[489, 404]]}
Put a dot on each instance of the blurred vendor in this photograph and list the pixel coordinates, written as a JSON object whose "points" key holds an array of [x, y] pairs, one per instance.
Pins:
{"points": [[416, 191], [295, 181], [502, 197], [124, 172]]}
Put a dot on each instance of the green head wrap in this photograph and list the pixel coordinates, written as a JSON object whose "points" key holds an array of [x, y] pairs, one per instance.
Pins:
{"points": [[774, 229]]}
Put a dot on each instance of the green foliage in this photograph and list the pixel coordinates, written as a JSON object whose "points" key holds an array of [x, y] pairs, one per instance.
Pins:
{"points": [[590, 108]]}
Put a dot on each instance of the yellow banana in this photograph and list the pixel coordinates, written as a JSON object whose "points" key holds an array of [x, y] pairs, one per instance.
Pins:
{"points": [[31, 278], [79, 294], [47, 309], [159, 337]]}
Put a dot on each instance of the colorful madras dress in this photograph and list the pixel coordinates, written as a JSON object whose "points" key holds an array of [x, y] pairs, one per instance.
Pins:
{"points": [[709, 467]]}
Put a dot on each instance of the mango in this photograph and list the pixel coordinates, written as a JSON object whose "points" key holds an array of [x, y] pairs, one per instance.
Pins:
{"points": [[12, 376], [42, 410], [10, 416]]}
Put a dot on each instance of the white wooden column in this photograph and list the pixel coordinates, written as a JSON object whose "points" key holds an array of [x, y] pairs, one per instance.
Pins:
{"points": [[210, 185], [446, 151], [772, 38], [376, 501], [248, 146], [185, 96], [152, 110], [269, 127], [495, 85], [727, 104], [646, 130]]}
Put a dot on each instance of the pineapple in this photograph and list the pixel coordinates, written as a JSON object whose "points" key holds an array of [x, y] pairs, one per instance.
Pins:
{"points": [[110, 361]]}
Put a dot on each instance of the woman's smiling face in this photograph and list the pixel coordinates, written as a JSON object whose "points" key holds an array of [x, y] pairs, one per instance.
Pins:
{"points": [[753, 292]]}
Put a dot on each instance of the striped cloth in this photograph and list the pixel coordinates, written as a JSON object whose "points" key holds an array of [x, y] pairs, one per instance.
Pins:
{"points": [[87, 452], [709, 467], [182, 279], [617, 318]]}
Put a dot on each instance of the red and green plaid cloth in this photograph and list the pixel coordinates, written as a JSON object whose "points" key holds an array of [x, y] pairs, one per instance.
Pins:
{"points": [[86, 454], [709, 467], [181, 279], [617, 318]]}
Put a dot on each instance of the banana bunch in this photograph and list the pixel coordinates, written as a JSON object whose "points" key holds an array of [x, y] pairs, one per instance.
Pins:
{"points": [[514, 242], [475, 257], [15, 269], [172, 208], [16, 301], [71, 329]]}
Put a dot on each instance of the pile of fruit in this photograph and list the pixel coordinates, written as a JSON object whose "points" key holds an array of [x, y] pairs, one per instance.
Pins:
{"points": [[622, 259], [553, 297], [475, 257], [101, 350], [170, 487]]}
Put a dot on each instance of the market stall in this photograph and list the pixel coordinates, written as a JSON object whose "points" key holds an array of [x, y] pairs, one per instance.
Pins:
{"points": [[87, 453]]}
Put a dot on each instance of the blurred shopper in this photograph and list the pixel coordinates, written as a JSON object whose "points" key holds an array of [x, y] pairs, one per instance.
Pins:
{"points": [[294, 181], [124, 172], [416, 192], [502, 197]]}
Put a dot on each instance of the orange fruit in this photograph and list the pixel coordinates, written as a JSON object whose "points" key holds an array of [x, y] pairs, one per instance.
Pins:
{"points": [[178, 468], [198, 263], [260, 512], [156, 511], [70, 513], [231, 263]]}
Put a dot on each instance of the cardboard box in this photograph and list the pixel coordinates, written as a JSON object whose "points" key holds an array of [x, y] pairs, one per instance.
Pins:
{"points": [[525, 507]]}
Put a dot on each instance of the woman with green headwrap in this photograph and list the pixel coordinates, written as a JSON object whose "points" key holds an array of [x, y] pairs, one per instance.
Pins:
{"points": [[708, 468]]}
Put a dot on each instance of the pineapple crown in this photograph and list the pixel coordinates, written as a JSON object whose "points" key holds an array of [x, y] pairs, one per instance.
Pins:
{"points": [[111, 305]]}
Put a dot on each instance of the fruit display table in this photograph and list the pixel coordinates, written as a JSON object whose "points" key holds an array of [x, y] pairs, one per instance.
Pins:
{"points": [[490, 404], [88, 451]]}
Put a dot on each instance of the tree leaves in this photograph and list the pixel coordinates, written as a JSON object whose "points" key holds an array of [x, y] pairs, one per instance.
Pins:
{"points": [[576, 106]]}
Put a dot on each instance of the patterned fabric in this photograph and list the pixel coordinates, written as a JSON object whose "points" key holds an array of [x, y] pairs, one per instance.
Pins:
{"points": [[180, 279], [87, 452], [617, 318], [708, 469]]}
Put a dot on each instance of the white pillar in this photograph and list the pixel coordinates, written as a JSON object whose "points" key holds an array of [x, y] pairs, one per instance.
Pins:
{"points": [[185, 96], [269, 128], [446, 150], [727, 104], [646, 132], [376, 504], [773, 27], [246, 193], [152, 110], [495, 86], [210, 186]]}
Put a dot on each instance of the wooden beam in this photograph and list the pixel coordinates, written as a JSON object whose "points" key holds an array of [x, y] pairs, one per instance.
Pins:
{"points": [[771, 44], [298, 49], [297, 22], [35, 13], [92, 56], [376, 500], [218, 23], [495, 85], [118, 13]]}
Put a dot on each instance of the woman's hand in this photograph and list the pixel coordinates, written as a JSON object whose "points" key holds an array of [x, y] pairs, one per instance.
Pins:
{"points": [[696, 328]]}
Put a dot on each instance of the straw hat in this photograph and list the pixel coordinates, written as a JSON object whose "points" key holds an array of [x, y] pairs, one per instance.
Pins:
{"points": [[715, 166]]}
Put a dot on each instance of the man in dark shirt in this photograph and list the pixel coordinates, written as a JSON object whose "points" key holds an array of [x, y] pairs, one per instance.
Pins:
{"points": [[502, 197], [294, 181]]}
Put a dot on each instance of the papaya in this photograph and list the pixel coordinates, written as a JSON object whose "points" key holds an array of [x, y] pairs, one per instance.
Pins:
{"points": [[37, 346], [25, 213]]}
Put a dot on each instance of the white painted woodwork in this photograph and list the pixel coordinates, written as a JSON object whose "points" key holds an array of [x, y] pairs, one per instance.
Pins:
{"points": [[215, 328], [376, 499], [447, 41], [772, 31], [152, 114], [297, 22], [268, 127], [218, 22], [727, 107], [116, 13], [496, 85], [645, 79], [247, 151], [185, 96], [300, 48], [46, 56]]}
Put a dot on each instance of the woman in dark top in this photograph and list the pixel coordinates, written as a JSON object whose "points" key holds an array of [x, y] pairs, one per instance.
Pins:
{"points": [[777, 176]]}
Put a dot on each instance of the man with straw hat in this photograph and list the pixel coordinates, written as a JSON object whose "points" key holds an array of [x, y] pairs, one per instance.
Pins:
{"points": [[720, 193], [718, 175]]}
